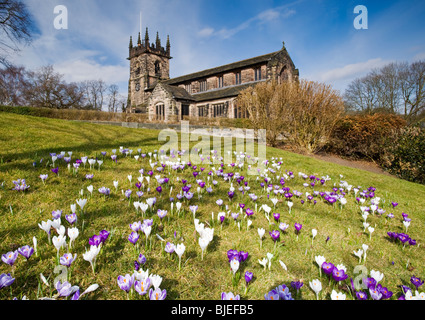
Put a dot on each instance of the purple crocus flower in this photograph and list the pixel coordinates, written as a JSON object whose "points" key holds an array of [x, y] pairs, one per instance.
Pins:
{"points": [[272, 295], [133, 237], [230, 194], [104, 235], [159, 189], [275, 234], [248, 277], [298, 227], [157, 294], [375, 294], [141, 259], [71, 218], [55, 170], [417, 282], [10, 257], [297, 284], [6, 280], [386, 294], [394, 204], [361, 295], [249, 212], [328, 267], [67, 259], [370, 283], [339, 275], [229, 296], [243, 255], [276, 216], [56, 214], [95, 240], [142, 286], [169, 247], [125, 282], [26, 251], [127, 193], [64, 289]]}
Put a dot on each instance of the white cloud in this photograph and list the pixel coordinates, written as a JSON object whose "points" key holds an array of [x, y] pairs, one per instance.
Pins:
{"points": [[206, 32], [351, 71], [86, 69]]}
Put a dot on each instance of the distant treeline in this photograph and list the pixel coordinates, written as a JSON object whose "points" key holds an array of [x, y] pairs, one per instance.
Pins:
{"points": [[47, 88]]}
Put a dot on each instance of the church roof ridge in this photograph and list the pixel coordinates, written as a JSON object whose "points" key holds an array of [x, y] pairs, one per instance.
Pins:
{"points": [[222, 68]]}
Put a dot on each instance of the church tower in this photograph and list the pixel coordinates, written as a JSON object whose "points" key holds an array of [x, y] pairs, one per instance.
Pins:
{"points": [[149, 64]]}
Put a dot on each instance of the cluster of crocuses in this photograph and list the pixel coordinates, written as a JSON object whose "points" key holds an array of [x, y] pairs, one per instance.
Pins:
{"points": [[401, 237], [142, 282], [407, 292], [138, 227], [279, 293], [20, 185]]}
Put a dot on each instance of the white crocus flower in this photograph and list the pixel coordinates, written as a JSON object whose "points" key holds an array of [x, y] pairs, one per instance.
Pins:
{"points": [[283, 265], [46, 226], [378, 276], [115, 185], [73, 208], [290, 204], [365, 247], [316, 286], [337, 295], [370, 229], [406, 224], [81, 203], [72, 234], [180, 248], [314, 234], [234, 265], [91, 256], [34, 242], [269, 258], [156, 280], [59, 242], [203, 243], [359, 254], [263, 262]]}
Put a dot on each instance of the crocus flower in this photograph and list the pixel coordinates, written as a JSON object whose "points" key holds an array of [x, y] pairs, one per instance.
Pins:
{"points": [[133, 237], [316, 286], [229, 296], [65, 289], [339, 275], [275, 234], [337, 295], [142, 286], [327, 267], [26, 251], [157, 294], [125, 282], [10, 257], [180, 248], [417, 282], [272, 295], [6, 280], [71, 218], [248, 276], [67, 259]]}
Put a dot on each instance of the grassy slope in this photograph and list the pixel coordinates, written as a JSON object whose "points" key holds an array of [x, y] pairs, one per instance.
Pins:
{"points": [[27, 139]]}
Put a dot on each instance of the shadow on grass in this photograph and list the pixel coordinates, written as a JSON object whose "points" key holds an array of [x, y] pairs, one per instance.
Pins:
{"points": [[9, 161]]}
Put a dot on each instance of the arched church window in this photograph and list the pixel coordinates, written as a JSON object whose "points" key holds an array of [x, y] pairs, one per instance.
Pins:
{"points": [[157, 68]]}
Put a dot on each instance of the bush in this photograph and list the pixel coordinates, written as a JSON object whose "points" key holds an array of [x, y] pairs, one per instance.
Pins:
{"points": [[363, 136], [404, 156]]}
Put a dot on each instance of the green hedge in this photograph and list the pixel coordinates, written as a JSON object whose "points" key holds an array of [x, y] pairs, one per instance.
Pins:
{"points": [[405, 154]]}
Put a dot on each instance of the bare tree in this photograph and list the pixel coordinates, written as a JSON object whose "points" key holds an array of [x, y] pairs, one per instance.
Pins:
{"points": [[46, 88], [113, 91], [397, 88], [94, 93], [13, 81], [15, 27]]}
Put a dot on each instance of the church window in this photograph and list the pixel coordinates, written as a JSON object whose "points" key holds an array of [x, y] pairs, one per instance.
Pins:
{"points": [[203, 85], [238, 78], [157, 68], [257, 74], [220, 82]]}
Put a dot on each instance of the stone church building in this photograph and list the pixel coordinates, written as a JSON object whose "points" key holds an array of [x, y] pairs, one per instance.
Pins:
{"points": [[208, 93]]}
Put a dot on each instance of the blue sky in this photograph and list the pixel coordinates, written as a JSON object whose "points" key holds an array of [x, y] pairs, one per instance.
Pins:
{"points": [[319, 35]]}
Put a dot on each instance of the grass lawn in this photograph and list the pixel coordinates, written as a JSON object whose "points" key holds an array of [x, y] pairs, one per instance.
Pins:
{"points": [[25, 140]]}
